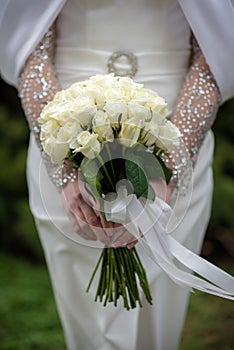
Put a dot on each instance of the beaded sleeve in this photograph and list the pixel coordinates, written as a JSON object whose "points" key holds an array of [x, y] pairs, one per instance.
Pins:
{"points": [[194, 115], [38, 85]]}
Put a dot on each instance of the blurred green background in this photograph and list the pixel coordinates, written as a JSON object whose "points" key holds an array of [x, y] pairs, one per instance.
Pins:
{"points": [[28, 317]]}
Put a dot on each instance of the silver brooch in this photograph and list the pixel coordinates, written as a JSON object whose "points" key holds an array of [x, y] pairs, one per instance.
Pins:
{"points": [[122, 63]]}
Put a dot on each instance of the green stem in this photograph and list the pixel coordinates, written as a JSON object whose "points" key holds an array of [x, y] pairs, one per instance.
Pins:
{"points": [[105, 170], [122, 285], [130, 275], [123, 151], [110, 158], [102, 277], [94, 272], [130, 259], [143, 277]]}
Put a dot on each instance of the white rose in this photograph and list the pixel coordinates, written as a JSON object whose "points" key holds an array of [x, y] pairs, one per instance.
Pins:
{"points": [[151, 130], [74, 91], [157, 120], [102, 127], [57, 152], [106, 81], [82, 110], [139, 112], [144, 96], [168, 136], [115, 94], [63, 95], [130, 132], [68, 132], [97, 94], [59, 111], [87, 144], [49, 128], [149, 134], [159, 106], [46, 112], [116, 111], [128, 86]]}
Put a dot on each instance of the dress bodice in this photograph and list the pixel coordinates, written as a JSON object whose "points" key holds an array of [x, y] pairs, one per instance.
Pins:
{"points": [[136, 25], [156, 31]]}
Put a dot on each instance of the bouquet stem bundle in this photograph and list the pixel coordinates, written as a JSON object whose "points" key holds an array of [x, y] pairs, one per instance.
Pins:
{"points": [[121, 272]]}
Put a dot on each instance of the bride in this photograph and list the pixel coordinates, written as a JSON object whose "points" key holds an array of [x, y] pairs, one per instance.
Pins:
{"points": [[51, 44]]}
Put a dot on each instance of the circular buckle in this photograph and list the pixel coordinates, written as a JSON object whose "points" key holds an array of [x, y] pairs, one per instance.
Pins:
{"points": [[122, 63]]}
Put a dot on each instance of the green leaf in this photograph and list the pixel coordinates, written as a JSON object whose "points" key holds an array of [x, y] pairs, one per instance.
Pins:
{"points": [[75, 158], [149, 194], [136, 175], [92, 175], [151, 165]]}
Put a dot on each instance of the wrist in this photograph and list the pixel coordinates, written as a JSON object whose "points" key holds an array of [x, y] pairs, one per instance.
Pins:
{"points": [[69, 174]]}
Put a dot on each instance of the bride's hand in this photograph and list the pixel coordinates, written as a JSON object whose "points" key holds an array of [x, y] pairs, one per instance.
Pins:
{"points": [[83, 211], [80, 209]]}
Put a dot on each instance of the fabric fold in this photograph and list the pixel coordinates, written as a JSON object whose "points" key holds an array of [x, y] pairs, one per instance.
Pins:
{"points": [[22, 25]]}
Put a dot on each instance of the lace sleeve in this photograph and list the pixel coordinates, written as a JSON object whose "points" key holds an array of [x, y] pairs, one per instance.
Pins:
{"points": [[194, 115], [38, 85]]}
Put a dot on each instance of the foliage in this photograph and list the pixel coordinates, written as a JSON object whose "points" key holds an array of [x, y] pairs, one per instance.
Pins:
{"points": [[17, 228], [209, 323], [220, 233], [28, 316]]}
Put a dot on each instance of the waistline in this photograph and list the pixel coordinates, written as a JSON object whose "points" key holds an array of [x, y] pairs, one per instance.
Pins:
{"points": [[69, 59]]}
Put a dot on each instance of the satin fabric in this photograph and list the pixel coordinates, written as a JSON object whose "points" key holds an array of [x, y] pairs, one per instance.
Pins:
{"points": [[23, 23], [212, 22]]}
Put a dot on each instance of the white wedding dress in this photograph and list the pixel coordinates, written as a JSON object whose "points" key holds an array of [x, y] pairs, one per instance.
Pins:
{"points": [[157, 32]]}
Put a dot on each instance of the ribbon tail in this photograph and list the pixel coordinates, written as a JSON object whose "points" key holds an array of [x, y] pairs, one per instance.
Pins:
{"points": [[148, 223], [163, 248]]}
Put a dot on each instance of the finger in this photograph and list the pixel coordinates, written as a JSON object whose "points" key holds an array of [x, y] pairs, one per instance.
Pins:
{"points": [[70, 198], [87, 195], [132, 244], [102, 236], [89, 215], [94, 223], [123, 240], [108, 226], [79, 223], [81, 227], [85, 234]]}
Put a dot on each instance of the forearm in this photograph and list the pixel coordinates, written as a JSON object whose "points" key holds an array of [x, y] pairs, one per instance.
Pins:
{"points": [[38, 85], [38, 82], [197, 105], [194, 115]]}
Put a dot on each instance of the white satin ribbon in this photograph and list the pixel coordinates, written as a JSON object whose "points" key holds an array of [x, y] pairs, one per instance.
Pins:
{"points": [[150, 219]]}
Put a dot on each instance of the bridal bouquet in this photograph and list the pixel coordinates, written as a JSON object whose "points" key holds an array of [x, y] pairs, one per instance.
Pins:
{"points": [[112, 129]]}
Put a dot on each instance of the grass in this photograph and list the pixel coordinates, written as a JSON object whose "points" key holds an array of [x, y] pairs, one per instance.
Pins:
{"points": [[209, 324], [29, 320], [28, 317]]}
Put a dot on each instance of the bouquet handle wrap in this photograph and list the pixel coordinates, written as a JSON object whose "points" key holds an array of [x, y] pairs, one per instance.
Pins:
{"points": [[151, 220]]}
